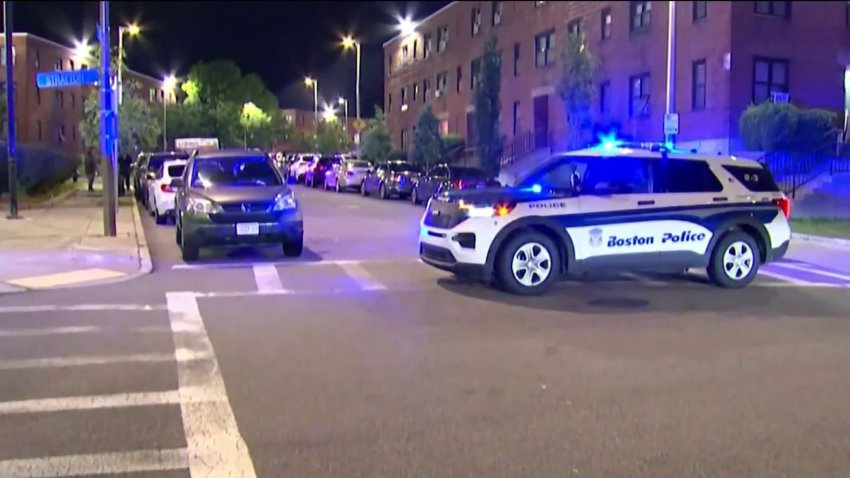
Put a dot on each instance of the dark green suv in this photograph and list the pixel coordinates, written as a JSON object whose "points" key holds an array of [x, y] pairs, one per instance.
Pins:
{"points": [[235, 198]]}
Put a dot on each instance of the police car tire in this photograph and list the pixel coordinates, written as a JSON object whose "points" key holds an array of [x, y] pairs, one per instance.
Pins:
{"points": [[504, 260], [294, 248], [363, 191], [716, 270]]}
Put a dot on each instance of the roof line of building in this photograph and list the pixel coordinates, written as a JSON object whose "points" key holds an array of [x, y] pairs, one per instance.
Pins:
{"points": [[65, 47], [420, 22]]}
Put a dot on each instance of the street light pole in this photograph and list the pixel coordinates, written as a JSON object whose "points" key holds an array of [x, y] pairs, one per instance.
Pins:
{"points": [[168, 84], [357, 81], [671, 66], [121, 30], [108, 128], [10, 112]]}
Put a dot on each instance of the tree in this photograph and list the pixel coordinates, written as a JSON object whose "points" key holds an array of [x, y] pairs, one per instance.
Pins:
{"points": [[138, 127], [488, 140], [252, 120], [576, 89], [427, 143], [331, 137], [376, 143], [452, 147]]}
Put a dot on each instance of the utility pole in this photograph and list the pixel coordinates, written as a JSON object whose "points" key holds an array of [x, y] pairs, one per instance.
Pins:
{"points": [[671, 69], [10, 112], [108, 127]]}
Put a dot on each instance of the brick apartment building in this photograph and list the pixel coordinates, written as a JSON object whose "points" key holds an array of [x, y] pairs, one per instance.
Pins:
{"points": [[304, 121], [728, 55], [51, 117]]}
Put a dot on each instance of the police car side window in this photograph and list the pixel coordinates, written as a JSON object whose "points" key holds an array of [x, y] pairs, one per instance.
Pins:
{"points": [[618, 175], [691, 176], [565, 176]]}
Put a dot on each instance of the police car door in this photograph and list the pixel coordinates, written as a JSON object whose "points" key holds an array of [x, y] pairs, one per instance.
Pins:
{"points": [[615, 227]]}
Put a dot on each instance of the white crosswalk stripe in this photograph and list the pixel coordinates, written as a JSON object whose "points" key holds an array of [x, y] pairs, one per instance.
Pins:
{"points": [[95, 464]]}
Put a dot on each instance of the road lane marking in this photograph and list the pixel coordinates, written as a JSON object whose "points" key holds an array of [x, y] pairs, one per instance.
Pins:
{"points": [[95, 464], [365, 279], [91, 402], [267, 279], [23, 309], [65, 278], [214, 445], [57, 362], [86, 329], [785, 278], [812, 270]]}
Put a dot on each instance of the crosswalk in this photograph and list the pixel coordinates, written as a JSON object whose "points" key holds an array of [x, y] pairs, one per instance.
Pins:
{"points": [[318, 277], [102, 389]]}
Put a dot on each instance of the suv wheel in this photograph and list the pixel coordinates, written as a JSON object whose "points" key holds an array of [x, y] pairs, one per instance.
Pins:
{"points": [[735, 261], [189, 250], [528, 264], [337, 188], [383, 192], [294, 248], [363, 191], [414, 196]]}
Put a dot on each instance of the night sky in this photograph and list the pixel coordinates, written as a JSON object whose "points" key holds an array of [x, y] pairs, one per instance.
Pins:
{"points": [[280, 41]]}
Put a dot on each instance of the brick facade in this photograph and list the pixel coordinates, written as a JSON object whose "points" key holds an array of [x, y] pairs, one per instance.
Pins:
{"points": [[51, 117], [716, 40]]}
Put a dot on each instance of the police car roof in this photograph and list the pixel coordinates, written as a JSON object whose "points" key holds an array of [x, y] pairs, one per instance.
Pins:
{"points": [[230, 153], [610, 152]]}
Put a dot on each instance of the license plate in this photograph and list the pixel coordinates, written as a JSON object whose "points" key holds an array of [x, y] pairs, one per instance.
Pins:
{"points": [[248, 229]]}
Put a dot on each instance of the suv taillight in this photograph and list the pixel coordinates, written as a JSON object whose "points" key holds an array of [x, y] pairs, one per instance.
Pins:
{"points": [[166, 188], [784, 205]]}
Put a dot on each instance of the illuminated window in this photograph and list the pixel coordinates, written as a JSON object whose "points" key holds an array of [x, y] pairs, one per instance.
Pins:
{"points": [[574, 27], [700, 10], [639, 95], [641, 13], [476, 21], [442, 83], [543, 45], [769, 76], [606, 20], [497, 13], [429, 45], [442, 38], [698, 87]]}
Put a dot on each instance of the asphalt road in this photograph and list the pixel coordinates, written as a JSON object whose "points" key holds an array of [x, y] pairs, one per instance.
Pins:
{"points": [[356, 360]]}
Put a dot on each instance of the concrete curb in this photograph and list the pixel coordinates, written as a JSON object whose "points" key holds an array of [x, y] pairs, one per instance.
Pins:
{"points": [[827, 241]]}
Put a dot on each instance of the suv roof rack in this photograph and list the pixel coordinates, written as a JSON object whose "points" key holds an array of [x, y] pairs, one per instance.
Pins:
{"points": [[646, 146]]}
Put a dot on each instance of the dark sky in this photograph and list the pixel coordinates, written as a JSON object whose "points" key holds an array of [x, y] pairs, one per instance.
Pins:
{"points": [[280, 41]]}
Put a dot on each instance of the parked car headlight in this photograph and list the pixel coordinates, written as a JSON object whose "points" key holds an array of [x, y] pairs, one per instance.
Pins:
{"points": [[285, 202], [202, 206]]}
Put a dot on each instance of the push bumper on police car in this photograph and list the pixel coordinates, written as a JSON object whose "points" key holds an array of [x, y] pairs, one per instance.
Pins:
{"points": [[452, 239]]}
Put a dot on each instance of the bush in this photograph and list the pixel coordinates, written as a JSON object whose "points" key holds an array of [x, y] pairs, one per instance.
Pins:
{"points": [[39, 169], [397, 155], [452, 148], [773, 127]]}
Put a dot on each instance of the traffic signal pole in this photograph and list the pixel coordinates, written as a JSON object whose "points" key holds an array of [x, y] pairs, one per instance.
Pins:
{"points": [[108, 127], [10, 111]]}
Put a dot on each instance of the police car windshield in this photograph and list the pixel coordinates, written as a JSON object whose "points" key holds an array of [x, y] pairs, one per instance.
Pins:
{"points": [[234, 172]]}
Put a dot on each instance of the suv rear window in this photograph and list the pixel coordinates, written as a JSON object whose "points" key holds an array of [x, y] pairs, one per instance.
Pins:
{"points": [[176, 171], [755, 179], [691, 176]]}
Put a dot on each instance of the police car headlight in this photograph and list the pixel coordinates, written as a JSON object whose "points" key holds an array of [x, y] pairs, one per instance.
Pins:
{"points": [[285, 201], [481, 210]]}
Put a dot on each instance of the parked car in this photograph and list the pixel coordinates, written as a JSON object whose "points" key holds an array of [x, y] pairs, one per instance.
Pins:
{"points": [[160, 192], [350, 173], [235, 198], [393, 178], [444, 177], [299, 167], [145, 165], [315, 176]]}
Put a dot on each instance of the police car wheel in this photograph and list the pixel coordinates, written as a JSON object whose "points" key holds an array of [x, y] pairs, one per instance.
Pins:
{"points": [[383, 192], [363, 191], [528, 264], [735, 261]]}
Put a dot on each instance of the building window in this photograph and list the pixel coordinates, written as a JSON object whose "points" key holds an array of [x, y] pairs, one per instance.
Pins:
{"points": [[474, 69], [774, 9], [73, 100], [58, 64], [641, 13], [426, 88], [60, 133], [415, 49], [71, 64], [38, 96], [543, 44], [605, 97], [37, 61], [404, 139], [442, 83], [639, 95], [429, 45], [389, 101], [404, 99], [405, 55], [516, 118], [574, 27], [442, 38], [415, 92], [476, 21], [539, 3], [459, 78], [698, 85], [38, 129], [516, 59], [497, 13], [58, 99], [700, 10], [389, 65], [606, 20], [769, 76]]}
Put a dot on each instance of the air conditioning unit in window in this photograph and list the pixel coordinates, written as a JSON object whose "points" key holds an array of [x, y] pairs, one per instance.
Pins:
{"points": [[779, 97]]}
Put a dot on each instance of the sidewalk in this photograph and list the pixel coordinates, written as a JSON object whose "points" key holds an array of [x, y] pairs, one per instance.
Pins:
{"points": [[62, 244]]}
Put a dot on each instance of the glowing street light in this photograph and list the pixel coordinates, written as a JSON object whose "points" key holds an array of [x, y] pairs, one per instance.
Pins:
{"points": [[328, 113], [82, 51], [344, 103], [132, 30], [406, 26], [168, 85], [349, 43], [310, 82]]}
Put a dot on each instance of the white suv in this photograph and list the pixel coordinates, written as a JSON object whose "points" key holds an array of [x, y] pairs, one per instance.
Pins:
{"points": [[614, 207], [160, 190]]}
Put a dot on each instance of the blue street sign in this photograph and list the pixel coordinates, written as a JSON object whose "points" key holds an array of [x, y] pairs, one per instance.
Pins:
{"points": [[58, 79]]}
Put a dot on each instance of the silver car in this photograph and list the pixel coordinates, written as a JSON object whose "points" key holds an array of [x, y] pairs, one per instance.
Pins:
{"points": [[350, 173]]}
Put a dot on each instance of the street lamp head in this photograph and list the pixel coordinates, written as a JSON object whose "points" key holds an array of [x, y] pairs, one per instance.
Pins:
{"points": [[348, 42], [308, 81], [406, 26], [82, 51], [341, 100], [328, 113], [133, 29], [169, 82]]}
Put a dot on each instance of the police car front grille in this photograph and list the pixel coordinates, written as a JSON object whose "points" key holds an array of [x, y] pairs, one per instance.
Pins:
{"points": [[436, 253]]}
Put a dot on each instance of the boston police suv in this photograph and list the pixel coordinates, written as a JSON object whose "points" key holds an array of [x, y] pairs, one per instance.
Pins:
{"points": [[614, 207]]}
